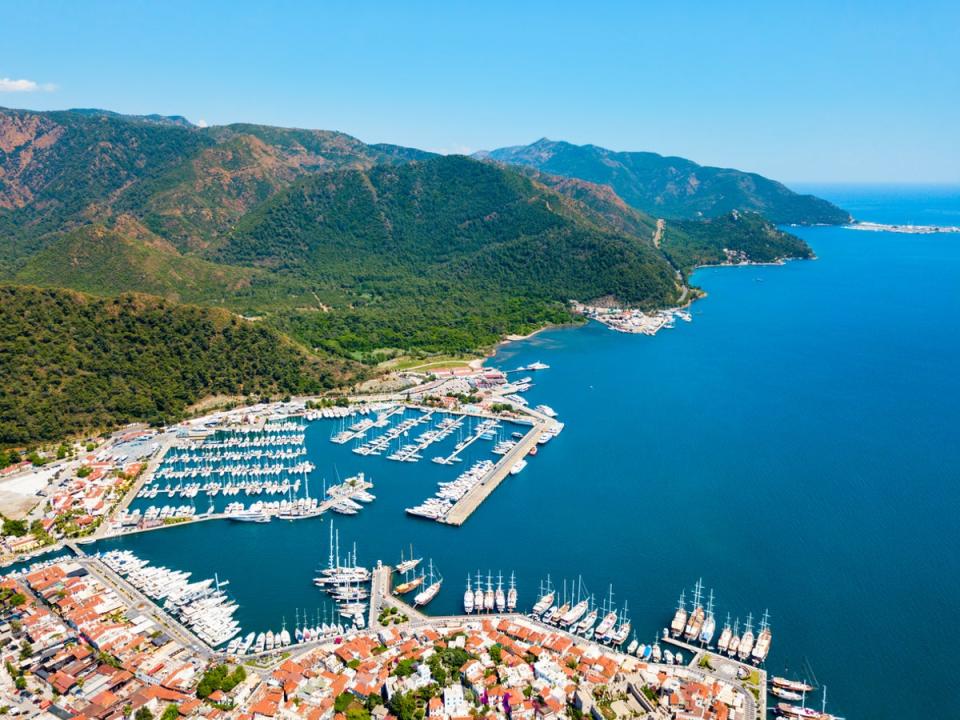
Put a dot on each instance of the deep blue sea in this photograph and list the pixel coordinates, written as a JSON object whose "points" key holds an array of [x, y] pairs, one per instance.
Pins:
{"points": [[796, 446]]}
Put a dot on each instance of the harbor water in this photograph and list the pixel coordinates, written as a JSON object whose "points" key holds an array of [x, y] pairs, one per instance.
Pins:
{"points": [[796, 446]]}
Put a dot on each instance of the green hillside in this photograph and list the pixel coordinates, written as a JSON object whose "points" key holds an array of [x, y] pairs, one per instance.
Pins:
{"points": [[690, 244], [673, 187], [71, 362], [448, 252]]}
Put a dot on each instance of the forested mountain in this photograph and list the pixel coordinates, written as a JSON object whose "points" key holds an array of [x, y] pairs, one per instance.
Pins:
{"points": [[358, 252], [59, 170], [673, 187], [71, 362]]}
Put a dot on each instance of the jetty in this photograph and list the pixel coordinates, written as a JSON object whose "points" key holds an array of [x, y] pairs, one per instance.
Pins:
{"points": [[464, 507]]}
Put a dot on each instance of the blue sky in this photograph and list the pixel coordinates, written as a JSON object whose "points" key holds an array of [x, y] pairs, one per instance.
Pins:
{"points": [[831, 91]]}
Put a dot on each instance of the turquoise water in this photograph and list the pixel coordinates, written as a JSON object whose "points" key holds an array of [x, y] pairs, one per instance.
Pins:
{"points": [[796, 445]]}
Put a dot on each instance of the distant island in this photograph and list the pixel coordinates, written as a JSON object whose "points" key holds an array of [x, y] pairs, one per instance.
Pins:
{"points": [[349, 257], [906, 229]]}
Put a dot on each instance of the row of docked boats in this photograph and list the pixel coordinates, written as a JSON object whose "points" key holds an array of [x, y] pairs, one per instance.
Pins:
{"points": [[578, 613], [381, 443], [226, 439], [193, 457], [200, 605], [212, 489], [698, 625], [448, 493], [411, 452], [309, 630], [233, 469], [479, 600], [346, 582], [486, 429], [340, 412]]}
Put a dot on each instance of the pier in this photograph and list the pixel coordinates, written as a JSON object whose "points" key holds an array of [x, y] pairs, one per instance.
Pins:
{"points": [[465, 506]]}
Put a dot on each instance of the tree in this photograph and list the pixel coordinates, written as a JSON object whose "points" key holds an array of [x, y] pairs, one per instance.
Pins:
{"points": [[404, 668], [403, 706], [143, 714], [17, 528], [171, 712]]}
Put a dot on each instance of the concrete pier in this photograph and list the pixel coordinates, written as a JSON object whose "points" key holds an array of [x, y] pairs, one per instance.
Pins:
{"points": [[465, 506]]}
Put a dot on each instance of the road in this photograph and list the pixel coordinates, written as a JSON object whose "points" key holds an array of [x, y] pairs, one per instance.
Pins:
{"points": [[135, 599]]}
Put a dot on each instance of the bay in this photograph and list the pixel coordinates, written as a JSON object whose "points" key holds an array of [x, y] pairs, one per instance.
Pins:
{"points": [[796, 446]]}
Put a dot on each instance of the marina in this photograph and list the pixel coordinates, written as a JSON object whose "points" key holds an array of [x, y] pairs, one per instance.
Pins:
{"points": [[629, 457]]}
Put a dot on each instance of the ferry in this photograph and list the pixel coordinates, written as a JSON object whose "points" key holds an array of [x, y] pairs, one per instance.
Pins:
{"points": [[535, 366]]}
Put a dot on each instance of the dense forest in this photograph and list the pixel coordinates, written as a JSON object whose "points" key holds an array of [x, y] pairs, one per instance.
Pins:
{"points": [[690, 244], [71, 362]]}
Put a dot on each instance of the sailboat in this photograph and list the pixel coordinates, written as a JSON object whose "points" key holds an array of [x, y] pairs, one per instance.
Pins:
{"points": [[609, 619], [478, 594], [764, 638], [488, 599], [709, 623], [405, 566], [746, 642], [734, 643], [424, 597], [697, 616], [724, 642], [680, 616], [546, 599], [468, 598], [500, 599], [512, 594]]}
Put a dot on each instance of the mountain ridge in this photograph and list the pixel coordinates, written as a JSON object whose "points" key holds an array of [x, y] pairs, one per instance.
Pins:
{"points": [[670, 186]]}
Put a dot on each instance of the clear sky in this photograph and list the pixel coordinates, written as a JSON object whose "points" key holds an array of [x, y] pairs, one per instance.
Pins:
{"points": [[803, 91]]}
